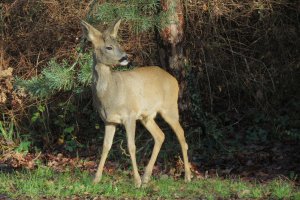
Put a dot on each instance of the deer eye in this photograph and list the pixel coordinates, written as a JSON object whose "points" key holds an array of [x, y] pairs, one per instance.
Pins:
{"points": [[109, 48]]}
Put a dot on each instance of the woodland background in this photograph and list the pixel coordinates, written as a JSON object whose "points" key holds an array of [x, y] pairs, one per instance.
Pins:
{"points": [[239, 74]]}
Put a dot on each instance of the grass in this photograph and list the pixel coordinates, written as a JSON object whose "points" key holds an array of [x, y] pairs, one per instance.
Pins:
{"points": [[46, 183]]}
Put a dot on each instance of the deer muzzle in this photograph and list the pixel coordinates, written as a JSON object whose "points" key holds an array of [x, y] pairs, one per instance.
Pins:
{"points": [[124, 60]]}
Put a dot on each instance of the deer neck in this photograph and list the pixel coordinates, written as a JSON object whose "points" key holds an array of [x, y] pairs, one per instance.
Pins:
{"points": [[102, 78]]}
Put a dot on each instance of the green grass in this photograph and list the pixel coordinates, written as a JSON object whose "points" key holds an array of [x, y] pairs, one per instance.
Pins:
{"points": [[46, 183]]}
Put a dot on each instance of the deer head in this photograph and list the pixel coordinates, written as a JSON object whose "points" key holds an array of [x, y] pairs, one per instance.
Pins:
{"points": [[106, 48]]}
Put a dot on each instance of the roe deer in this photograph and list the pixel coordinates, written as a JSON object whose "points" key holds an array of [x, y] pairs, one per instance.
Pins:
{"points": [[122, 97]]}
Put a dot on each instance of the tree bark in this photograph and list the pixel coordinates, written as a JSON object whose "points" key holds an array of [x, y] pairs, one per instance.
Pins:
{"points": [[171, 51]]}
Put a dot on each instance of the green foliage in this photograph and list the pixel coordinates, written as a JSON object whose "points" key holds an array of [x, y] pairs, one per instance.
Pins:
{"points": [[12, 141], [36, 86], [61, 129], [85, 71], [281, 189], [23, 147], [57, 77], [143, 14], [281, 125], [213, 134], [7, 132], [123, 68], [256, 134], [222, 189], [66, 127], [38, 114], [44, 182]]}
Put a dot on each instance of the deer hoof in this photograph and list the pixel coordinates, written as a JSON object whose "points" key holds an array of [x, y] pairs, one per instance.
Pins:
{"points": [[96, 180], [187, 178], [145, 179], [138, 183]]}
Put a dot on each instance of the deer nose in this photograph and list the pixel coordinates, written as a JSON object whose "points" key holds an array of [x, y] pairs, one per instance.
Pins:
{"points": [[124, 58], [123, 61]]}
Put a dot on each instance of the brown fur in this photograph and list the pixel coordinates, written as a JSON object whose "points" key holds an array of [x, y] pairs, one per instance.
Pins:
{"points": [[122, 97]]}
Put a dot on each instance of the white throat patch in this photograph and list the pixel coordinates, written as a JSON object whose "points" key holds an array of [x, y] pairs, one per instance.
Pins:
{"points": [[124, 62]]}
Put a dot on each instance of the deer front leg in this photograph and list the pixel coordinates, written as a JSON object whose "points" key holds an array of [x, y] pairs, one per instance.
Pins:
{"points": [[130, 131], [108, 139]]}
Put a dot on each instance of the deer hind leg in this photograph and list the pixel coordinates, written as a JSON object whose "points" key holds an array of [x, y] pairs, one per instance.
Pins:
{"points": [[159, 138], [130, 131], [108, 139], [172, 118]]}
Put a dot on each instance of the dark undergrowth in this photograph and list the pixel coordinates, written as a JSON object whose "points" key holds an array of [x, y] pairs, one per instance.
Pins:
{"points": [[241, 66]]}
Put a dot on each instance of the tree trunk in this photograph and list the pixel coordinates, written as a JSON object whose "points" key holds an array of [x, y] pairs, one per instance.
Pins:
{"points": [[171, 52]]}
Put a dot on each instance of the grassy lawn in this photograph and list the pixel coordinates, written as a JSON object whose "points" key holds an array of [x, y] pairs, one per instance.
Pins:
{"points": [[48, 184]]}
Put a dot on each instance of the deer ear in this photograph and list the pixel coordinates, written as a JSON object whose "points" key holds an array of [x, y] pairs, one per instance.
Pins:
{"points": [[90, 32], [113, 30]]}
